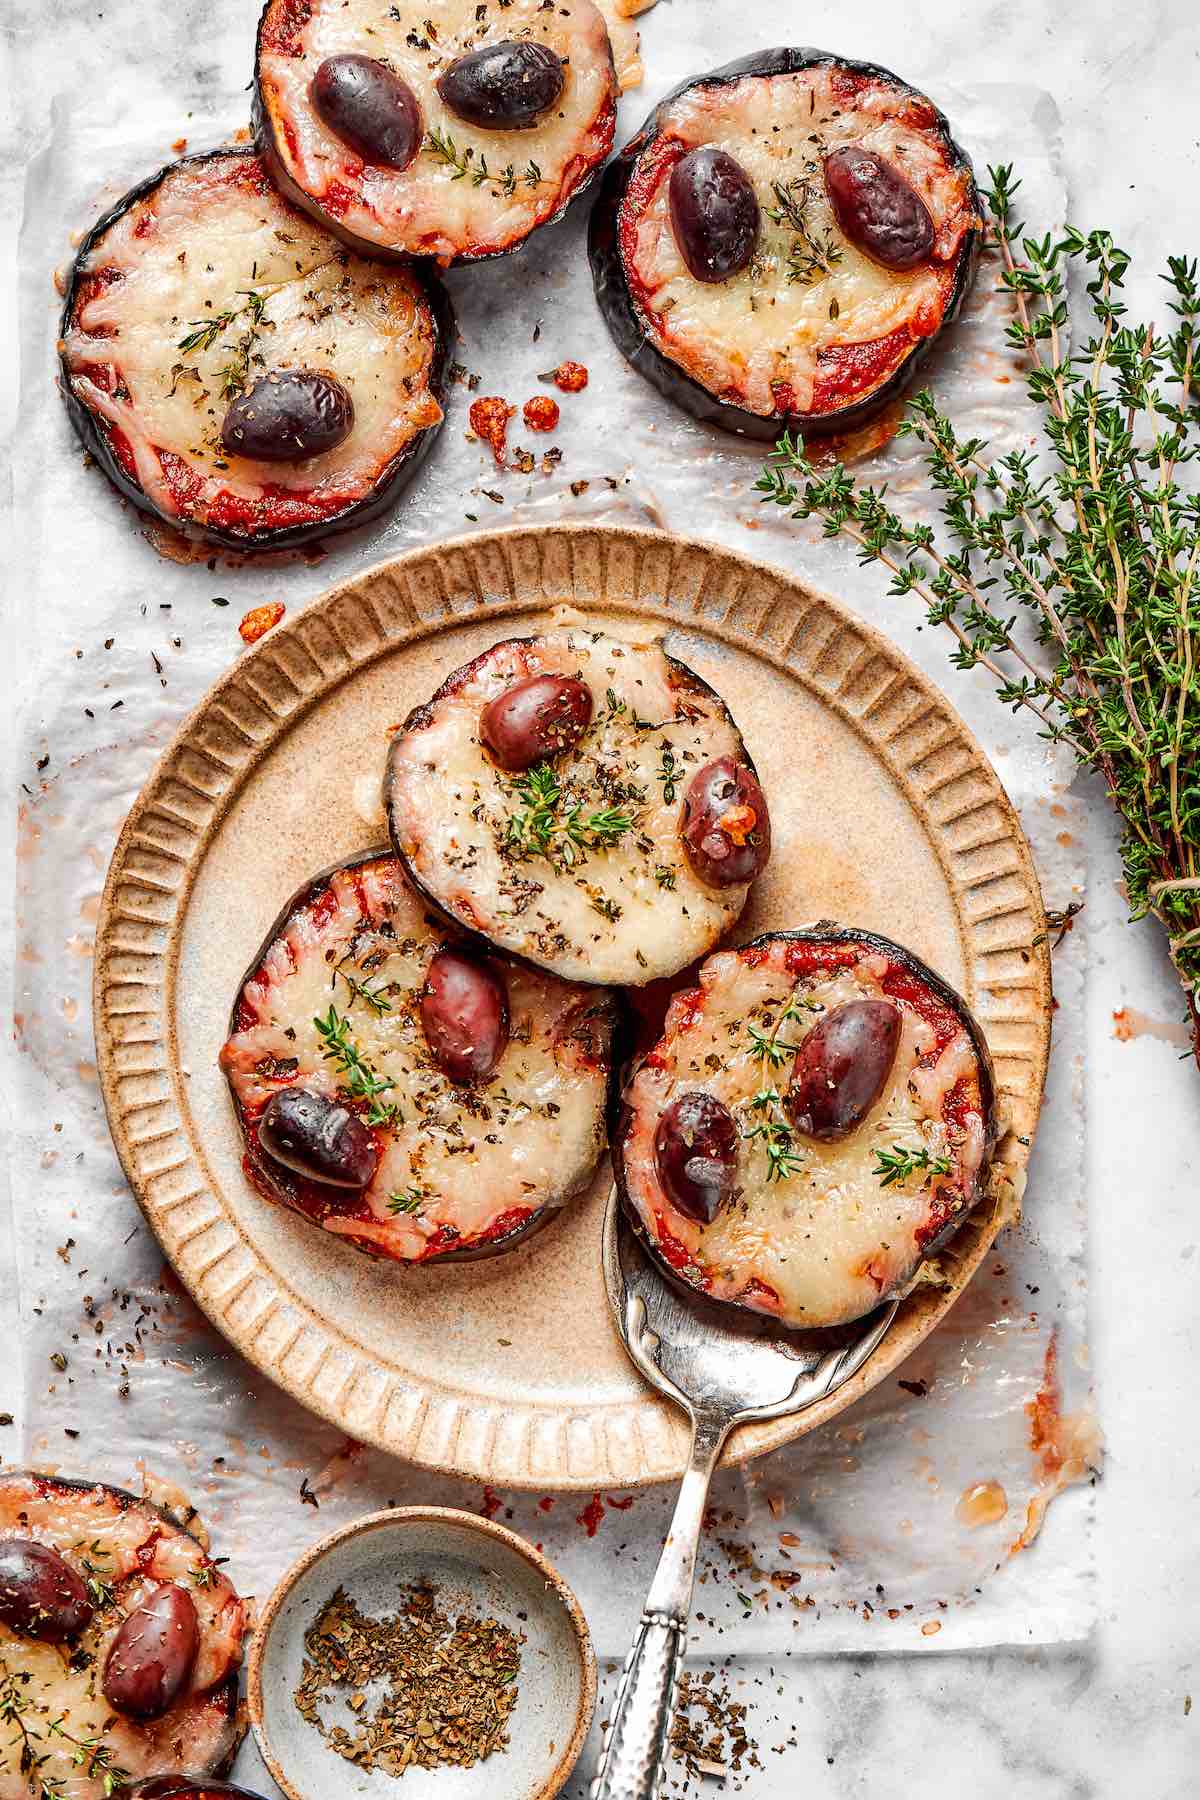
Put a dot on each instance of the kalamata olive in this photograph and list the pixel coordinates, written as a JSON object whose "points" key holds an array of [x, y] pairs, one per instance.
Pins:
{"points": [[152, 1655], [695, 1152], [535, 719], [318, 1137], [877, 209], [504, 86], [368, 106], [714, 213], [288, 415], [41, 1596], [726, 827], [841, 1068], [464, 1010]]}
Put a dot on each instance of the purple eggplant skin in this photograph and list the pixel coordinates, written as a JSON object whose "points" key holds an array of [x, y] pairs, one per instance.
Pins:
{"points": [[422, 715], [264, 137], [827, 931], [624, 321], [621, 1040], [392, 480]]}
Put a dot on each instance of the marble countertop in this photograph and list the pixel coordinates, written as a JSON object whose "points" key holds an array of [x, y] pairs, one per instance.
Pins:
{"points": [[1110, 1716]]}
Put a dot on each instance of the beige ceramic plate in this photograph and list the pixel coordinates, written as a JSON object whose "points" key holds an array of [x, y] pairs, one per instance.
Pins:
{"points": [[885, 814]]}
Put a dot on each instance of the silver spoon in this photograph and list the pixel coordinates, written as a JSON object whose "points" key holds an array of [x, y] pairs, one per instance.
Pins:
{"points": [[723, 1373]]}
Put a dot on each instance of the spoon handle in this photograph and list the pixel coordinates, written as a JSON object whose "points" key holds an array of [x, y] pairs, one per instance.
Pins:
{"points": [[635, 1743]]}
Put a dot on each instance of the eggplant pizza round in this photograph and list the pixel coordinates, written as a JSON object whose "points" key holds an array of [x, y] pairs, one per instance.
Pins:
{"points": [[405, 1091], [816, 1120], [784, 240], [236, 371], [584, 802], [451, 132], [120, 1642]]}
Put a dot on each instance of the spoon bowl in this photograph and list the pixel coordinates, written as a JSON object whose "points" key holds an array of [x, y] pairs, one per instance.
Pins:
{"points": [[724, 1370]]}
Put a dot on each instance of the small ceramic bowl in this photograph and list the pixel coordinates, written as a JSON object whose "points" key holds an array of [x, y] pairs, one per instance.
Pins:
{"points": [[479, 1566]]}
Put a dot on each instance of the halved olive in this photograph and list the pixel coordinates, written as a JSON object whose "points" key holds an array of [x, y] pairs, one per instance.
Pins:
{"points": [[288, 415], [842, 1067], [319, 1138], [714, 213], [504, 86], [370, 108], [152, 1655], [726, 827], [877, 209], [41, 1596], [464, 1010], [535, 719], [695, 1152]]}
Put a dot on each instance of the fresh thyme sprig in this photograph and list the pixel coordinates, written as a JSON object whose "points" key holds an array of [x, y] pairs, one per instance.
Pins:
{"points": [[541, 829], [468, 165], [206, 332], [897, 1164], [407, 1200], [98, 1575], [94, 1758], [363, 1081], [769, 1129], [773, 1051], [1101, 555], [811, 253], [375, 997], [669, 773]]}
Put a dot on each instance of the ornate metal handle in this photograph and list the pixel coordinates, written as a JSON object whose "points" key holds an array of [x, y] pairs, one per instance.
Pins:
{"points": [[635, 1743]]}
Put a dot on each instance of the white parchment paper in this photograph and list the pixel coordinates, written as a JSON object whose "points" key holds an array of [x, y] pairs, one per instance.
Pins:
{"points": [[848, 1540]]}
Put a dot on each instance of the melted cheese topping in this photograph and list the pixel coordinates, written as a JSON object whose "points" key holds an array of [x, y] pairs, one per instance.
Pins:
{"points": [[127, 1549], [625, 913], [828, 1242], [759, 338], [495, 186], [188, 257], [458, 1158], [625, 39]]}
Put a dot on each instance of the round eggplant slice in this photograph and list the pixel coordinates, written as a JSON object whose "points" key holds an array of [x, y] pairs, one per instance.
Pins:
{"points": [[815, 332], [474, 1149], [125, 1550], [577, 863], [472, 189], [814, 1227], [202, 298]]}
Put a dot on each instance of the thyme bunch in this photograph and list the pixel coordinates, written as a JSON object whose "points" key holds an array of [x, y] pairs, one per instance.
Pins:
{"points": [[1100, 555]]}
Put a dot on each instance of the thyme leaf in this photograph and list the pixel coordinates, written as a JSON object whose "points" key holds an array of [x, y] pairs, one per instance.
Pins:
{"points": [[897, 1164]]}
